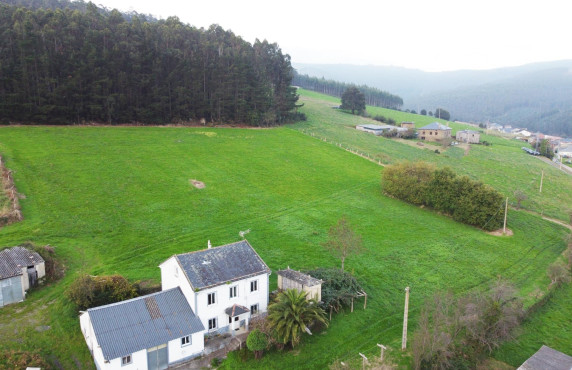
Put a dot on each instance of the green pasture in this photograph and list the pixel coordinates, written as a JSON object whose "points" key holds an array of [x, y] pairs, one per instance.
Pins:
{"points": [[503, 165], [119, 200]]}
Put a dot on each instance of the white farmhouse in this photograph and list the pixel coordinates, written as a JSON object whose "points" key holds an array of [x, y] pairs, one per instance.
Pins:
{"points": [[148, 332], [20, 269], [225, 285]]}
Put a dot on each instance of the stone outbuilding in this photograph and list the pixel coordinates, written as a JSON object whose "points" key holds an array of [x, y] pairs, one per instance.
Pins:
{"points": [[468, 136], [20, 269], [434, 132], [408, 124], [292, 279]]}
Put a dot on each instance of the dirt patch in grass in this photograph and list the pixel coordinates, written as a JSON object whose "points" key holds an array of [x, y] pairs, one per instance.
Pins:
{"points": [[500, 233], [421, 145], [197, 184]]}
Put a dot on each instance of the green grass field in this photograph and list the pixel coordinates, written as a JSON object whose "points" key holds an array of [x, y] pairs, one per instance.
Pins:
{"points": [[503, 165], [118, 200]]}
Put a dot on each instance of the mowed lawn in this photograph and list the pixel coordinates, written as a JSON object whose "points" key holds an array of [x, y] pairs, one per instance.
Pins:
{"points": [[119, 200]]}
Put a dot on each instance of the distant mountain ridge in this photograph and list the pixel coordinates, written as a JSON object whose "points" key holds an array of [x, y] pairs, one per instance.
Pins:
{"points": [[537, 96]]}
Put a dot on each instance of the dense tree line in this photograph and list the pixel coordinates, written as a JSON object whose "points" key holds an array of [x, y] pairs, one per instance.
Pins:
{"points": [[373, 96], [67, 66], [465, 200]]}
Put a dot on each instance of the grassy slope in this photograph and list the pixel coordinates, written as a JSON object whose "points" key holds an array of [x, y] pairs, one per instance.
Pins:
{"points": [[549, 326], [504, 165], [119, 200]]}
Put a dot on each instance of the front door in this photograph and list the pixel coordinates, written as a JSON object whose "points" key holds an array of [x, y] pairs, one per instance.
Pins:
{"points": [[157, 358]]}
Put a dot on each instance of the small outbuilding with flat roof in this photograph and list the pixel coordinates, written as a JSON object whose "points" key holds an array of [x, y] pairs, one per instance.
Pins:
{"points": [[292, 279]]}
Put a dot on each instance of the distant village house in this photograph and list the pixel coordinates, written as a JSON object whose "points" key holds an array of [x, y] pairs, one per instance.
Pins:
{"points": [[468, 136], [434, 132], [408, 124]]}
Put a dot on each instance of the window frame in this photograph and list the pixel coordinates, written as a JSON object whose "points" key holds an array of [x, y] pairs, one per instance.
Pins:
{"points": [[254, 309], [233, 289], [215, 324], [212, 301], [255, 282], [187, 340], [124, 359]]}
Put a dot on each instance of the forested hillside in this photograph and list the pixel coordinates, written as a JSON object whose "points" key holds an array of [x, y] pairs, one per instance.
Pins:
{"points": [[373, 96], [67, 66]]}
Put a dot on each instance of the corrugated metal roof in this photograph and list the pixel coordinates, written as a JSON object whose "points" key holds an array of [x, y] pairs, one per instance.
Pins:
{"points": [[13, 259], [126, 327], [547, 358], [299, 277], [435, 126], [218, 265]]}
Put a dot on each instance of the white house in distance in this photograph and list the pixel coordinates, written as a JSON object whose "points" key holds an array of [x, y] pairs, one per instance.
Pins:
{"points": [[225, 285], [20, 268], [148, 332]]}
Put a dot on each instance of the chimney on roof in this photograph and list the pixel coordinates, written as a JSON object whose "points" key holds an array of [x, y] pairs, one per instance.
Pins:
{"points": [[209, 245]]}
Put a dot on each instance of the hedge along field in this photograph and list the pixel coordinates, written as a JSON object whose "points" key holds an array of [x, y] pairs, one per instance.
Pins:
{"points": [[118, 200], [503, 165]]}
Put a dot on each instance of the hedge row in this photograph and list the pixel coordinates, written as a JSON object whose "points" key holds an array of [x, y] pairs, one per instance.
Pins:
{"points": [[465, 200]]}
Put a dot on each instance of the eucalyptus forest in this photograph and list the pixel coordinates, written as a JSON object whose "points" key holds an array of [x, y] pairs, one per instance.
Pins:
{"points": [[67, 66]]}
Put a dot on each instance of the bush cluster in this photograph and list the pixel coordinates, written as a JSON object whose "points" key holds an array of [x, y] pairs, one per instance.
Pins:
{"points": [[338, 287], [93, 291], [465, 200], [380, 118]]}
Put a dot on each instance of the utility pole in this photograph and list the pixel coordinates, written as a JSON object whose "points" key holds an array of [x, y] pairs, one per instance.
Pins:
{"points": [[505, 212], [405, 313], [541, 179]]}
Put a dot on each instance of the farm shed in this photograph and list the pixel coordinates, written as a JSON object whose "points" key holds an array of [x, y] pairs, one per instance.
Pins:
{"points": [[468, 136], [434, 132], [408, 124], [292, 279], [547, 358], [20, 269], [377, 130]]}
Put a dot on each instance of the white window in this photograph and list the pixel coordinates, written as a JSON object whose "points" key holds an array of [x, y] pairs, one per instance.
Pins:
{"points": [[233, 291], [212, 324], [186, 341], [211, 299], [254, 309], [126, 360], [254, 285]]}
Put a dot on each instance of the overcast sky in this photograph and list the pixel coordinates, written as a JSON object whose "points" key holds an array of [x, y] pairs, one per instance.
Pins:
{"points": [[432, 35]]}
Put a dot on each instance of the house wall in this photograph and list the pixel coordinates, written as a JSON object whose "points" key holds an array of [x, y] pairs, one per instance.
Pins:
{"points": [[408, 124], [177, 352], [434, 135], [138, 362], [11, 290], [468, 137], [173, 276], [223, 301]]}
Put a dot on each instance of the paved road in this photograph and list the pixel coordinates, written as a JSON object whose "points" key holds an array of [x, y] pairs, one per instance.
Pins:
{"points": [[564, 168]]}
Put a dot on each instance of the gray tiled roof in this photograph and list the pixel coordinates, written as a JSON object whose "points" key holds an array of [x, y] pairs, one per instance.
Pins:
{"points": [[299, 277], [547, 358], [126, 327], [218, 265], [435, 126], [236, 310], [13, 259]]}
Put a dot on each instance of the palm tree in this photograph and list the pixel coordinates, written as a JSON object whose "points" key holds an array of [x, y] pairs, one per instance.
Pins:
{"points": [[291, 314]]}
